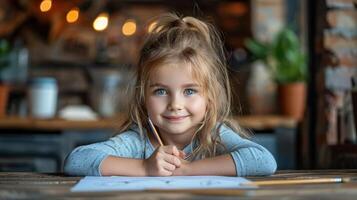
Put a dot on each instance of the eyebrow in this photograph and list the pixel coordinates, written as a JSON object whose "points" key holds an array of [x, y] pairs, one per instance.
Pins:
{"points": [[163, 85]]}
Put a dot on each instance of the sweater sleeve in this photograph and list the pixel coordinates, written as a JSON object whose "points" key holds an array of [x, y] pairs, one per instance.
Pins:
{"points": [[86, 160], [251, 159]]}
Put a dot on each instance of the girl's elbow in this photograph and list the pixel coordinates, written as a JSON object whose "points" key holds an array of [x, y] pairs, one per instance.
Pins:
{"points": [[269, 167], [68, 167], [73, 164]]}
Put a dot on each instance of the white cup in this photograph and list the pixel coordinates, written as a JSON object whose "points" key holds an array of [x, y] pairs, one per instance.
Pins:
{"points": [[43, 97]]}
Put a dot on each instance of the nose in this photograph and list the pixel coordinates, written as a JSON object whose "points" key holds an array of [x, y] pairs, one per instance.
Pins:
{"points": [[176, 103]]}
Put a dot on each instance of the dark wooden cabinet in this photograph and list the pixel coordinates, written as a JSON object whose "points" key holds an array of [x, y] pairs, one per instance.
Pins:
{"points": [[332, 39]]}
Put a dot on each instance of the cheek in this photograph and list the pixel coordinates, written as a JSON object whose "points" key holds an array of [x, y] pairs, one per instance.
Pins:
{"points": [[198, 106], [154, 105]]}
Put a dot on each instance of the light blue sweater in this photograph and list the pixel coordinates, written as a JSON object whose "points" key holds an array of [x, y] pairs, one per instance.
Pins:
{"points": [[250, 159]]}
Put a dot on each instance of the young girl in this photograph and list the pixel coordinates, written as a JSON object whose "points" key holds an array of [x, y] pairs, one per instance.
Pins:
{"points": [[182, 86]]}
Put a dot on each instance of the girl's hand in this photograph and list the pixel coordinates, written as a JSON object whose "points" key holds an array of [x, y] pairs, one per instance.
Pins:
{"points": [[184, 169], [181, 154], [163, 161]]}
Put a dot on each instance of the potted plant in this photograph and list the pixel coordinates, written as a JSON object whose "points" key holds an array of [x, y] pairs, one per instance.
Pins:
{"points": [[4, 62], [287, 64]]}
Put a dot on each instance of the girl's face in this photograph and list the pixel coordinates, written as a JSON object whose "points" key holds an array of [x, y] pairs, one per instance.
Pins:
{"points": [[175, 102]]}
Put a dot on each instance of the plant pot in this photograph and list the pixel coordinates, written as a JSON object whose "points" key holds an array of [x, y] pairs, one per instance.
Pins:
{"points": [[292, 99], [4, 93]]}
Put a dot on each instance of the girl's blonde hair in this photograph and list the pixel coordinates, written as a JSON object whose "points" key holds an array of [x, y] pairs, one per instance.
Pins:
{"points": [[194, 43]]}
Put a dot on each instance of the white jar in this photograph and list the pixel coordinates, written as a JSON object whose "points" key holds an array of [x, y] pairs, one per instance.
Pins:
{"points": [[108, 95], [43, 97]]}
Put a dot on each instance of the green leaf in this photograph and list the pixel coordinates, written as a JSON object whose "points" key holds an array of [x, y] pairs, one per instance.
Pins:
{"points": [[258, 49], [283, 56]]}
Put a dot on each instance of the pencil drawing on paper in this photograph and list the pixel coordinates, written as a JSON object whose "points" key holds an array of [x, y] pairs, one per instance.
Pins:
{"points": [[90, 183]]}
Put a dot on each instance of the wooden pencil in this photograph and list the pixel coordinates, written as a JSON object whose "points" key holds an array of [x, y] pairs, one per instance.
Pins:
{"points": [[296, 181], [155, 132]]}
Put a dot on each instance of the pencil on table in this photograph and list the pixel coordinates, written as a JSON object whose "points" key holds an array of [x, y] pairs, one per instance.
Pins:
{"points": [[296, 181], [155, 132]]}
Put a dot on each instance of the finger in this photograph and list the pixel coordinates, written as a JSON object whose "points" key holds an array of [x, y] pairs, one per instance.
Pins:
{"points": [[171, 149], [161, 149], [182, 154], [168, 166], [172, 160], [175, 151], [164, 172]]}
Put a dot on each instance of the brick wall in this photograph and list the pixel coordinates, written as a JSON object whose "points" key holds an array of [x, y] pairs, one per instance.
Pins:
{"points": [[338, 64], [340, 39]]}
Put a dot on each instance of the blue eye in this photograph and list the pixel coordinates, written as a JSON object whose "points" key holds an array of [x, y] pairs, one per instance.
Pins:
{"points": [[160, 92], [190, 91]]}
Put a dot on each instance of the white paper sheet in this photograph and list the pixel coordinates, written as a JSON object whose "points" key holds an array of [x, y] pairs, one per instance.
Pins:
{"points": [[121, 183]]}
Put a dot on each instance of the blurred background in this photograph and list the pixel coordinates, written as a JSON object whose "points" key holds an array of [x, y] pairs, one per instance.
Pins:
{"points": [[66, 68]]}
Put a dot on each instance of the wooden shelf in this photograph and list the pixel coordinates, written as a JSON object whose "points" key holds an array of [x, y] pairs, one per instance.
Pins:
{"points": [[15, 123], [57, 124], [264, 122]]}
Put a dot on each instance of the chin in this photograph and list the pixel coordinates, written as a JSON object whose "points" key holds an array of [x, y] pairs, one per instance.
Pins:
{"points": [[175, 130]]}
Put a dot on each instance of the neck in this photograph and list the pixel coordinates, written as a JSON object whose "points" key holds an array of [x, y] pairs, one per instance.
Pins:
{"points": [[180, 141]]}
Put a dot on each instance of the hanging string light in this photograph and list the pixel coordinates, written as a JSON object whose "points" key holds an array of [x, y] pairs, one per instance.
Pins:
{"points": [[101, 22], [129, 27], [72, 15], [45, 5]]}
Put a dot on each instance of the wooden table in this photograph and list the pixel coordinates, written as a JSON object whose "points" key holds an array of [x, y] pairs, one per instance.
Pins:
{"points": [[27, 185]]}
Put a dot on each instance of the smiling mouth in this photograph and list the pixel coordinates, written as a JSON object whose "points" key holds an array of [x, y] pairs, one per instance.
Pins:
{"points": [[175, 118]]}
